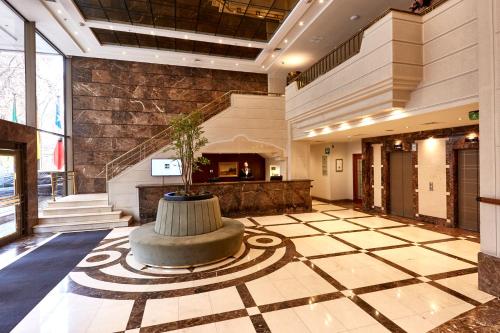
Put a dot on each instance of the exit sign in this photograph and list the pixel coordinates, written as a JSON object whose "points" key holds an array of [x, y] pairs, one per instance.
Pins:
{"points": [[474, 115]]}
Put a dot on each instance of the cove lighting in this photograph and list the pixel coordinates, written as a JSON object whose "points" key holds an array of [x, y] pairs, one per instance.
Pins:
{"points": [[326, 130], [472, 138], [344, 126], [397, 114], [367, 121]]}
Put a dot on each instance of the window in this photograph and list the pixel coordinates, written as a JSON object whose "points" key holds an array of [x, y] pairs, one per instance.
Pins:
{"points": [[12, 72], [49, 87]]}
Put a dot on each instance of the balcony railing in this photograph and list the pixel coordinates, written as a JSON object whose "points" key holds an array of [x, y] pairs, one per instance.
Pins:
{"points": [[348, 49], [162, 139]]}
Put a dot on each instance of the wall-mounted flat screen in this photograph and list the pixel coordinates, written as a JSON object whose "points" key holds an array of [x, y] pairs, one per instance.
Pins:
{"points": [[165, 167]]}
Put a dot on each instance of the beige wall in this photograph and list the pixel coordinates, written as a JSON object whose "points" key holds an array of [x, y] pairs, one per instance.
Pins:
{"points": [[433, 57], [253, 124], [489, 91], [432, 173]]}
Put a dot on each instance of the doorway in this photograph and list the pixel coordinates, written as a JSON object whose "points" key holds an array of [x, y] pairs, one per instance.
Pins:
{"points": [[401, 184], [468, 189], [11, 215], [357, 175]]}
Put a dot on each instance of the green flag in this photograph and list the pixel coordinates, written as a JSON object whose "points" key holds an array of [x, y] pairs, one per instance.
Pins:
{"points": [[14, 111]]}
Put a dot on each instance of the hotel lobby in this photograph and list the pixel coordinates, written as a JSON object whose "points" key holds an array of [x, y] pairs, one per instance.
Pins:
{"points": [[249, 166]]}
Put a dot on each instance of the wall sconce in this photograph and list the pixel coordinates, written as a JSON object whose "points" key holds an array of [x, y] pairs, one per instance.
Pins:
{"points": [[472, 138], [398, 145]]}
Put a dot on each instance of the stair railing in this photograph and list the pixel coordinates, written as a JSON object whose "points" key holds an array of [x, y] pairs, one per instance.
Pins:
{"points": [[162, 139]]}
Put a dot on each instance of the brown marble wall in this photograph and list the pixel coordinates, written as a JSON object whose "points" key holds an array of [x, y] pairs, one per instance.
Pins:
{"points": [[489, 273], [456, 140], [23, 137], [238, 199], [119, 104]]}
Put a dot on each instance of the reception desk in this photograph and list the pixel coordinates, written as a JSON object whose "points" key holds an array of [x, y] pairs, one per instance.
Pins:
{"points": [[238, 199]]}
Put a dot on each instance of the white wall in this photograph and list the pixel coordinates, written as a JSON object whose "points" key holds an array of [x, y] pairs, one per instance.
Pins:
{"points": [[251, 124], [336, 185], [432, 169], [377, 175]]}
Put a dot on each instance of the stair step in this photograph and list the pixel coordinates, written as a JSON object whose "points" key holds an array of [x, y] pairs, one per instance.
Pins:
{"points": [[53, 211], [77, 203], [89, 217], [124, 221]]}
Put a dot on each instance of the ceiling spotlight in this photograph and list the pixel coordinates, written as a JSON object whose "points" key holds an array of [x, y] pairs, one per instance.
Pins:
{"points": [[152, 32], [111, 27], [354, 17], [157, 56], [262, 66], [321, 1], [237, 64], [211, 61], [220, 41], [123, 52], [186, 37], [249, 44], [301, 23], [59, 11], [286, 41], [88, 49], [460, 118], [272, 55]]}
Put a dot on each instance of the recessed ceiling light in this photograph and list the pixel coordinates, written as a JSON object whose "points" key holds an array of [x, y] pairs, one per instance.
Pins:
{"points": [[220, 41], [186, 37], [237, 64], [272, 55], [211, 61], [111, 27], [123, 52], [76, 32], [88, 49], [407, 127], [321, 1], [286, 41], [460, 118], [354, 17], [152, 32], [262, 66], [301, 23], [157, 56], [184, 59], [59, 11], [249, 44]]}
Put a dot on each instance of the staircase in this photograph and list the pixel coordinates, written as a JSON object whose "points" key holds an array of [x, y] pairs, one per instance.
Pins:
{"points": [[80, 212]]}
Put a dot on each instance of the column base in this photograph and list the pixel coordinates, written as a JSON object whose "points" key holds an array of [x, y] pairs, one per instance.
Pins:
{"points": [[489, 274]]}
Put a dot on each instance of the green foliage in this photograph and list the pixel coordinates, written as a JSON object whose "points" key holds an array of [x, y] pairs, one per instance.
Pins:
{"points": [[187, 139]]}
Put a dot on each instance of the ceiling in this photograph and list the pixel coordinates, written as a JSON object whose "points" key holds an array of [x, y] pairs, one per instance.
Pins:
{"points": [[266, 36], [390, 125], [247, 19]]}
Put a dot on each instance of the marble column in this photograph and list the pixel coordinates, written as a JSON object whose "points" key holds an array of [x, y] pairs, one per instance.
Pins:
{"points": [[488, 12]]}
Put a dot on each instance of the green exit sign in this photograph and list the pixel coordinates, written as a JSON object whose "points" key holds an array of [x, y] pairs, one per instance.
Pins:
{"points": [[474, 115]]}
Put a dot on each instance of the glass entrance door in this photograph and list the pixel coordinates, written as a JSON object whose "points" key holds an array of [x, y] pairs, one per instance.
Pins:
{"points": [[10, 196]]}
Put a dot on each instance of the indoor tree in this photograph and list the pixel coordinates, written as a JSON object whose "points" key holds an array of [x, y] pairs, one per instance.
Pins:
{"points": [[187, 139]]}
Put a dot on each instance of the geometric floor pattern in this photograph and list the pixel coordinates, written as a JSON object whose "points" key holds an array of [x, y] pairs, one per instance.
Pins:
{"points": [[333, 270]]}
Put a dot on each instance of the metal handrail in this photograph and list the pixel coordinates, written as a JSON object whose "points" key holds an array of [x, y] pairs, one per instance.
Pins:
{"points": [[349, 48], [65, 176], [9, 201], [156, 142]]}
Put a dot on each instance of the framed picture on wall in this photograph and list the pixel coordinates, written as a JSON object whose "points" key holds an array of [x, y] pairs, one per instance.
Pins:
{"points": [[339, 165], [228, 169]]}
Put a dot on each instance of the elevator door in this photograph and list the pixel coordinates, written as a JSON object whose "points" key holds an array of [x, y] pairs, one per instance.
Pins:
{"points": [[468, 189], [401, 170]]}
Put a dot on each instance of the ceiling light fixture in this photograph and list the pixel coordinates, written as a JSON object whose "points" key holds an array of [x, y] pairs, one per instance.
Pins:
{"points": [[184, 59], [286, 41], [111, 27], [212, 62], [186, 37], [301, 23], [249, 44], [262, 66], [237, 64], [152, 32], [123, 52], [321, 1], [88, 49], [157, 56], [460, 118], [272, 55], [354, 17], [59, 11], [220, 41]]}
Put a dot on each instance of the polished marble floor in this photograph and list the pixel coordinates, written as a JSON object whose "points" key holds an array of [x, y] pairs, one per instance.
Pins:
{"points": [[334, 270]]}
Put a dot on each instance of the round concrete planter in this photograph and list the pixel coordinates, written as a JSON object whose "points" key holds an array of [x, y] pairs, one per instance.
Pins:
{"points": [[177, 218], [186, 233]]}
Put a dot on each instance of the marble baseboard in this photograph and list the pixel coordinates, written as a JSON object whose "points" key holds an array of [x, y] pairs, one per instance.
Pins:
{"points": [[489, 274]]}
